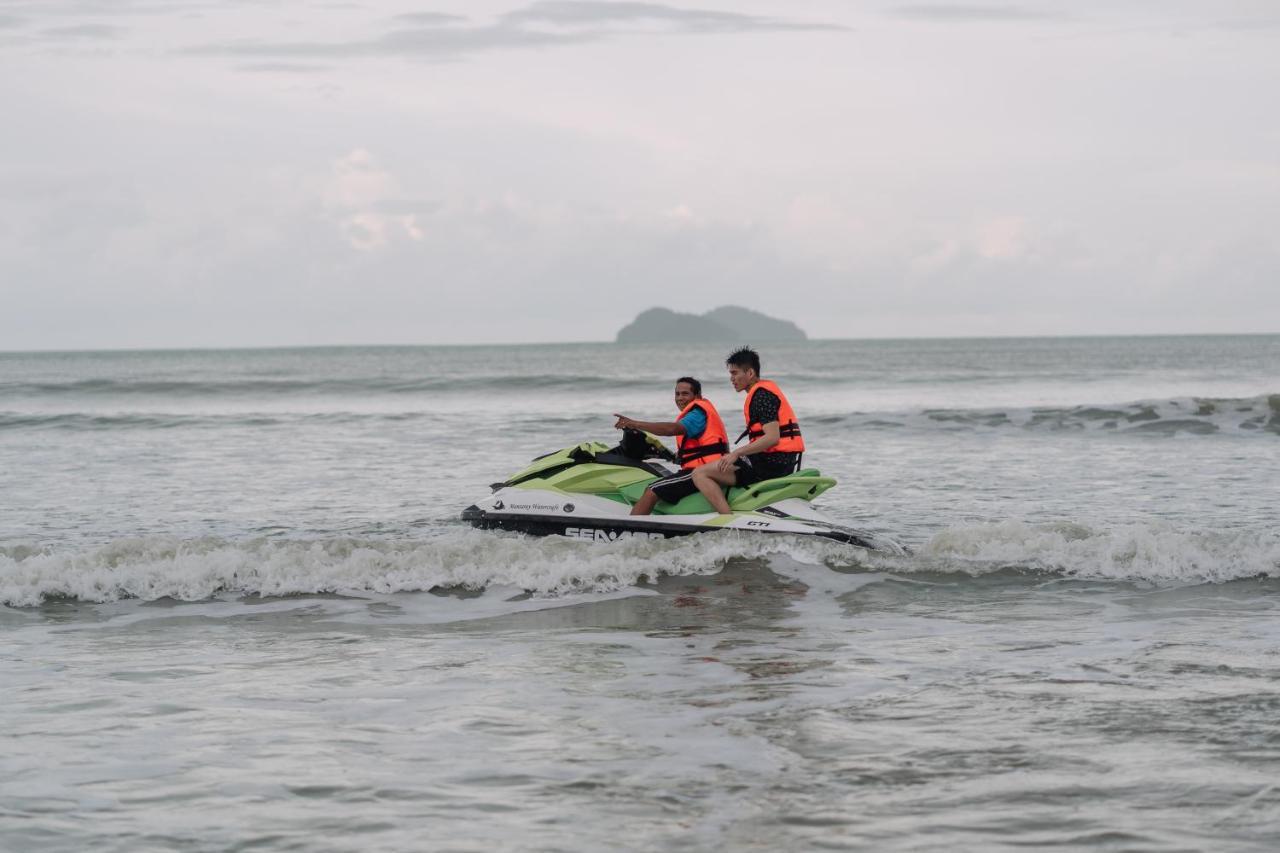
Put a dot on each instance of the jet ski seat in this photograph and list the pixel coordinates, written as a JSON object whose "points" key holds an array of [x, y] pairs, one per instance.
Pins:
{"points": [[805, 484]]}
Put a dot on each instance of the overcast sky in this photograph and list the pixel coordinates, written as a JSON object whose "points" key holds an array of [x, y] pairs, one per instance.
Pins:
{"points": [[223, 173]]}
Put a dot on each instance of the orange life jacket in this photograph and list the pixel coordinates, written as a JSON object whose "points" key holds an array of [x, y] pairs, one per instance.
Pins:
{"points": [[789, 440], [708, 447]]}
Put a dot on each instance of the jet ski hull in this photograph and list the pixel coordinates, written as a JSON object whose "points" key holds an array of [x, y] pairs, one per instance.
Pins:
{"points": [[588, 517], [609, 531]]}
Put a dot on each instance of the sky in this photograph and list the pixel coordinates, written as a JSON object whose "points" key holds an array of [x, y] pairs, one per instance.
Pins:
{"points": [[221, 173]]}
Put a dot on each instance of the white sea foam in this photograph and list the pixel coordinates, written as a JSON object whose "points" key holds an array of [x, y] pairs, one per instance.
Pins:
{"points": [[193, 570], [1257, 416], [1155, 552]]}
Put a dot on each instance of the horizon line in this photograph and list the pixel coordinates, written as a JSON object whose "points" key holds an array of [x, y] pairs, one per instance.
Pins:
{"points": [[283, 347]]}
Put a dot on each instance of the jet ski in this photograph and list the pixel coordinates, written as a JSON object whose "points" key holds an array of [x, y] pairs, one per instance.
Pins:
{"points": [[586, 492]]}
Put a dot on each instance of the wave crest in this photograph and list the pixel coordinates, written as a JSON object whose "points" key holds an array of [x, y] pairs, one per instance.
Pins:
{"points": [[1153, 552], [197, 569], [192, 570], [1258, 415], [272, 387]]}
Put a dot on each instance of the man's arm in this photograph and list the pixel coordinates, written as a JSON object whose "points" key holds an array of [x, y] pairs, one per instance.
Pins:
{"points": [[772, 435], [764, 411], [655, 427]]}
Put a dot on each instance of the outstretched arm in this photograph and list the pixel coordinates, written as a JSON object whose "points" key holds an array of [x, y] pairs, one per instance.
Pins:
{"points": [[655, 427]]}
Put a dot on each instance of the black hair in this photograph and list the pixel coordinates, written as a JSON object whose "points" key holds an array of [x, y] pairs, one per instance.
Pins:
{"points": [[744, 357], [693, 383]]}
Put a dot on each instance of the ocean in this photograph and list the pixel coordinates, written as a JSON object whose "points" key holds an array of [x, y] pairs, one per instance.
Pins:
{"points": [[239, 611]]}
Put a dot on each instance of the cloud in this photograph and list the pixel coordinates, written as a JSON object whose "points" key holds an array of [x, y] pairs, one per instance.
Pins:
{"points": [[10, 21], [970, 14], [365, 200], [430, 18], [449, 43], [543, 24], [587, 12], [83, 31], [1001, 238], [282, 68], [120, 8], [405, 207], [1262, 25]]}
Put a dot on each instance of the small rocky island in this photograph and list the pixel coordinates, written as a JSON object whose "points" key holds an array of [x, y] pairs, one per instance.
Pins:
{"points": [[728, 324]]}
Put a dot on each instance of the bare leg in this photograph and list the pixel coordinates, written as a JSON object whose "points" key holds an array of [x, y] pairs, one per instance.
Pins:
{"points": [[710, 483], [644, 506]]}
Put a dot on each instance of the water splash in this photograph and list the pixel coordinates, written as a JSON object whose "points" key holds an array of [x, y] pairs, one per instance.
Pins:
{"points": [[196, 569]]}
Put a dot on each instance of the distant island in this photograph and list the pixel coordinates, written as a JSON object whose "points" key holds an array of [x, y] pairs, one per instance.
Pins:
{"points": [[727, 324]]}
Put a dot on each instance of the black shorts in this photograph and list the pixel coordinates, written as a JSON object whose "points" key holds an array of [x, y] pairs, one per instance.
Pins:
{"points": [[671, 488], [749, 470], [764, 466]]}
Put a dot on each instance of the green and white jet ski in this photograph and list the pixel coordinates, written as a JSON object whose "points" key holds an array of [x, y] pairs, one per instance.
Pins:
{"points": [[586, 492]]}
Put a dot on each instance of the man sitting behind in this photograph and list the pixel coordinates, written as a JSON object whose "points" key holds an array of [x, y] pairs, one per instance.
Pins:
{"points": [[776, 446], [700, 440]]}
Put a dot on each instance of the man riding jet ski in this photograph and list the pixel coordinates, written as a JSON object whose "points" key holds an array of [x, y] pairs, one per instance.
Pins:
{"points": [[700, 440], [776, 446], [592, 491], [586, 492]]}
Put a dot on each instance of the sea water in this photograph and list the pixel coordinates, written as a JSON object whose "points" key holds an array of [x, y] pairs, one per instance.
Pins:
{"points": [[240, 612]]}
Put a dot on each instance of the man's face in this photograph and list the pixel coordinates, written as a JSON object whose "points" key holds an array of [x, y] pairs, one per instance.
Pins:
{"points": [[741, 377], [684, 395]]}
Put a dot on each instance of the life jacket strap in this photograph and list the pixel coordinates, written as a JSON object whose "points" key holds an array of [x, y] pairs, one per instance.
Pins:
{"points": [[720, 448], [791, 430]]}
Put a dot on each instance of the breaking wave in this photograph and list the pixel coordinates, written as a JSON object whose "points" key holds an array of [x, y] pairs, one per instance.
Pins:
{"points": [[90, 422], [191, 570], [85, 421], [1258, 415], [1153, 552], [269, 387], [197, 569]]}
